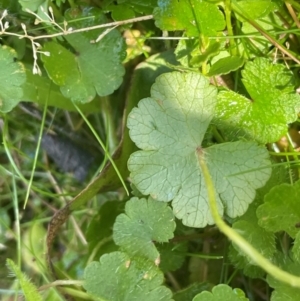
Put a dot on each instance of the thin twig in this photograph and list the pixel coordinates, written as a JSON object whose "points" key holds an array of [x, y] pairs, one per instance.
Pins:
{"points": [[63, 31], [293, 14], [70, 30], [268, 36]]}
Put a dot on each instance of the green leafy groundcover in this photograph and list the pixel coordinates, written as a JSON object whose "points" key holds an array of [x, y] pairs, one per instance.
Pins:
{"points": [[169, 129], [137, 276], [149, 246]]}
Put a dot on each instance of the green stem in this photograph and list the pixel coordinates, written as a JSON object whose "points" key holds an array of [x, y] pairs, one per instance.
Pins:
{"points": [[204, 43], [18, 231], [217, 135], [232, 276], [37, 151], [282, 154], [103, 147], [72, 3], [109, 124], [60, 283], [5, 140], [237, 239], [203, 256], [229, 27], [16, 172]]}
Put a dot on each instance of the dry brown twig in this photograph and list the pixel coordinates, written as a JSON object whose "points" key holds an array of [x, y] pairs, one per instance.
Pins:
{"points": [[36, 47]]}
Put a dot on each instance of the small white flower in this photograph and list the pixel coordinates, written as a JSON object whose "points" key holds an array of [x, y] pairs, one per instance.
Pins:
{"points": [[47, 53], [38, 45], [24, 28], [36, 69]]}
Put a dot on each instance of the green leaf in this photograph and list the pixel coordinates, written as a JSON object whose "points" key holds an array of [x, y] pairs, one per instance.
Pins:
{"points": [[241, 262], [29, 289], [40, 89], [19, 45], [259, 238], [11, 6], [186, 50], [169, 128], [145, 221], [100, 230], [247, 226], [118, 277], [122, 12], [190, 54], [190, 292], [171, 256], [255, 8], [12, 76], [296, 247], [59, 2], [33, 246], [222, 292], [91, 68], [33, 5], [283, 291], [193, 16], [281, 210], [104, 220], [226, 65], [141, 6], [272, 106]]}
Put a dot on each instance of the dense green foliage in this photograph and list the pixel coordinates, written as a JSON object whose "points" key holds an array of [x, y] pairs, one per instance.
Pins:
{"points": [[150, 150]]}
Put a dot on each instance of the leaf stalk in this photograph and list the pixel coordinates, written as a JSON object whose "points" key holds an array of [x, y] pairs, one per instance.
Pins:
{"points": [[237, 239]]}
